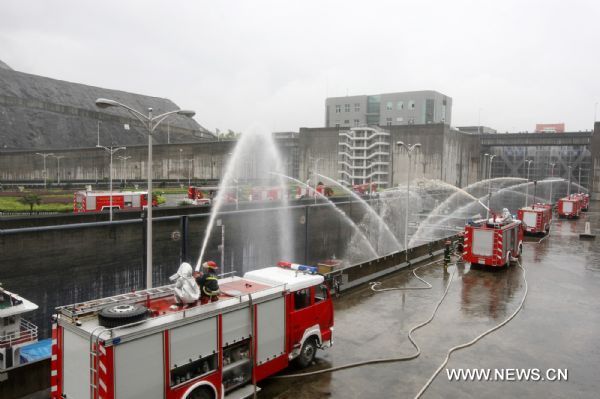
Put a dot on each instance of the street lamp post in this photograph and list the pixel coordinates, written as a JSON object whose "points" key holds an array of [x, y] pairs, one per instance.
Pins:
{"points": [[111, 151], [58, 158], [190, 164], [552, 165], [180, 165], [491, 157], [44, 155], [529, 162], [123, 159], [569, 185], [150, 122], [409, 150]]}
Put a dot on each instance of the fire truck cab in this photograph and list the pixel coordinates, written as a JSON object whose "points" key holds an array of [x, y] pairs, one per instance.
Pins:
{"points": [[493, 242], [536, 218], [136, 346], [569, 207]]}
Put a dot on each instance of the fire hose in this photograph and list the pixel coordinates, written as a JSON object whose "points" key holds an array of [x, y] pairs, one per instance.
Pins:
{"points": [[413, 329], [410, 338], [476, 339]]}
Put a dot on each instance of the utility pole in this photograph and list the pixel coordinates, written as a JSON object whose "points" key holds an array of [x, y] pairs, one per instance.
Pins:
{"points": [[552, 165], [123, 159], [190, 163], [528, 161], [409, 150], [45, 155], [58, 158], [112, 151]]}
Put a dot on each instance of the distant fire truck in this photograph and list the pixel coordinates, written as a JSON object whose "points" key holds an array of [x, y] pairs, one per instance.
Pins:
{"points": [[536, 218], [204, 195], [97, 201], [569, 207], [365, 188], [201, 195], [268, 193], [310, 192], [585, 201], [493, 242], [137, 346]]}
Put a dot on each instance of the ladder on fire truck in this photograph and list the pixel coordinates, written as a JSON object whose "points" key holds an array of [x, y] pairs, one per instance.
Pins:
{"points": [[77, 310]]}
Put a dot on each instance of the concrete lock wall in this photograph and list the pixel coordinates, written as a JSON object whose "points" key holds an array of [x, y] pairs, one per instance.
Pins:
{"points": [[59, 265], [595, 151], [93, 164], [445, 154]]}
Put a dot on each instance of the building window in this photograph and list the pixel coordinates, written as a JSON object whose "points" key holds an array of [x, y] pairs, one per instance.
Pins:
{"points": [[400, 105], [356, 122], [389, 106], [338, 109], [411, 104], [356, 107], [347, 107], [337, 123], [388, 121], [347, 122]]}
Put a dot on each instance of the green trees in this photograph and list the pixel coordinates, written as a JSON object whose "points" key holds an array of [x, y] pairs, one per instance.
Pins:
{"points": [[30, 199]]}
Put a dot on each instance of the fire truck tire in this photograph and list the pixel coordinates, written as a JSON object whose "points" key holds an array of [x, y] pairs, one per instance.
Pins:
{"points": [[307, 354], [118, 315], [201, 393]]}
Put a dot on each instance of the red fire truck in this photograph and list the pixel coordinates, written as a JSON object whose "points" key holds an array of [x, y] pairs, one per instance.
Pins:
{"points": [[97, 201], [204, 195], [493, 242], [585, 201], [569, 207], [137, 346], [365, 188], [309, 192], [536, 218]]}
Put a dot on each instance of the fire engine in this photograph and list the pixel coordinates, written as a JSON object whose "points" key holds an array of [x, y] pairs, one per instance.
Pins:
{"points": [[204, 195], [97, 201], [585, 201], [268, 193], [137, 345], [536, 218], [310, 192], [493, 242], [365, 188], [569, 207]]}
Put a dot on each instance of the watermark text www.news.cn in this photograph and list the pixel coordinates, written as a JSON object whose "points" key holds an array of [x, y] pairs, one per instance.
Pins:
{"points": [[508, 374]]}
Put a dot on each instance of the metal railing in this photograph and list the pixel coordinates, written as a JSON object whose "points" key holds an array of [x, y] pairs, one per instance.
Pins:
{"points": [[27, 332]]}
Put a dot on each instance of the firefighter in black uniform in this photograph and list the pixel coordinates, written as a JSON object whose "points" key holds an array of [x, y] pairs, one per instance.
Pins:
{"points": [[447, 253], [208, 283]]}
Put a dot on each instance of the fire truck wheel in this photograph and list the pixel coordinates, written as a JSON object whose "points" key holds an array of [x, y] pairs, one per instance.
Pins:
{"points": [[118, 315], [201, 393], [307, 354]]}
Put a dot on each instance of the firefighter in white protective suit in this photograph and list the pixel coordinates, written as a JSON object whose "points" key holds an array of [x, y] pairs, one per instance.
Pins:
{"points": [[186, 290]]}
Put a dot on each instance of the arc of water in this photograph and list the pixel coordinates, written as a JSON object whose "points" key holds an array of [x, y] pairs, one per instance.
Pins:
{"points": [[462, 208], [344, 216], [371, 211]]}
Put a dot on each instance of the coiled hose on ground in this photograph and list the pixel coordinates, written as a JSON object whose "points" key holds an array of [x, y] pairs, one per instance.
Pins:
{"points": [[410, 338]]}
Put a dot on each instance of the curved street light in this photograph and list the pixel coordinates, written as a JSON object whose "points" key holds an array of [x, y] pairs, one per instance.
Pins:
{"points": [[150, 122]]}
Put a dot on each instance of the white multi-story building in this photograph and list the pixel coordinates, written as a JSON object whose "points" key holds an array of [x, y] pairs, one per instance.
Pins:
{"points": [[364, 156], [389, 109]]}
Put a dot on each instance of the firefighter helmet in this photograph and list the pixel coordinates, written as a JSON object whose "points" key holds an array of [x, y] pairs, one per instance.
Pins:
{"points": [[210, 265]]}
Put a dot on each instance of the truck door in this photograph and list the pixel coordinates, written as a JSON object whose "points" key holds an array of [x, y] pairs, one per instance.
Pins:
{"points": [[301, 316]]}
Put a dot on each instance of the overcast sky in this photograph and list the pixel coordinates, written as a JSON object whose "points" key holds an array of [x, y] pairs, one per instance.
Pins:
{"points": [[273, 63]]}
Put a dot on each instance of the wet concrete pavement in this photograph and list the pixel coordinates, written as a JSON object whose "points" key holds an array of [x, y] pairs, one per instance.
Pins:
{"points": [[558, 328]]}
